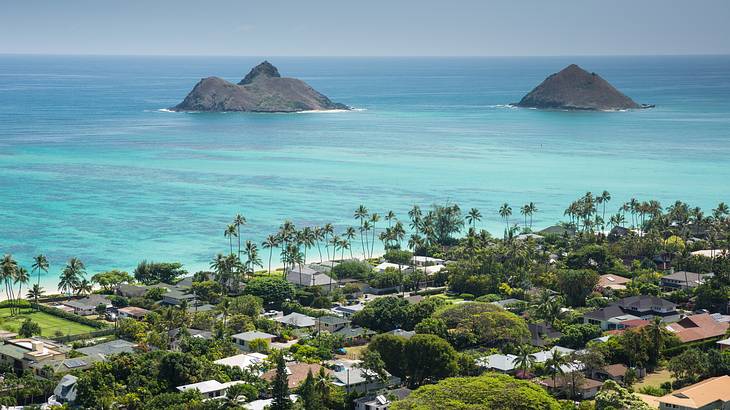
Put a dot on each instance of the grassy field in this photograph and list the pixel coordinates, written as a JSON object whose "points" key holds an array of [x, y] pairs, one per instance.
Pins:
{"points": [[49, 324], [654, 379]]}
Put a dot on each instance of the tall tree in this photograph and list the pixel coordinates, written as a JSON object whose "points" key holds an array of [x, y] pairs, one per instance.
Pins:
{"points": [[229, 233], [473, 217], [238, 221], [40, 263], [505, 211], [8, 267], [271, 242], [280, 385], [524, 360]]}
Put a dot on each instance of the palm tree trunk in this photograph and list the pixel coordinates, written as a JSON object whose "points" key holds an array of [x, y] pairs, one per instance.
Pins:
{"points": [[271, 254]]}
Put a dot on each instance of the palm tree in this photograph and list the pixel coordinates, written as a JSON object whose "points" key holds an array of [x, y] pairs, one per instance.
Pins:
{"points": [[525, 210], [374, 219], [229, 233], [344, 245], [83, 287], [361, 214], [307, 237], [328, 230], [252, 257], [364, 230], [35, 293], [72, 275], [40, 263], [473, 217], [721, 211], [532, 208], [238, 221], [554, 364], [271, 242], [8, 267], [390, 216], [505, 211], [524, 359], [603, 200], [350, 234], [21, 277], [335, 242]]}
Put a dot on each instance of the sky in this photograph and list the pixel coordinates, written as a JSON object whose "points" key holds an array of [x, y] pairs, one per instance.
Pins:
{"points": [[366, 27]]}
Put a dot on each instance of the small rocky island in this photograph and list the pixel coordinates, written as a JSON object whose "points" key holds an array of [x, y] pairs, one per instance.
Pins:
{"points": [[574, 88], [262, 90]]}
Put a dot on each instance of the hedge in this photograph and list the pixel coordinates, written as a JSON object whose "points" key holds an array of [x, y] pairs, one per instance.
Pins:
{"points": [[701, 345], [98, 333]]}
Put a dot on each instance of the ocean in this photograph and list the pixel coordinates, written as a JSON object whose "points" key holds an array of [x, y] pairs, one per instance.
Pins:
{"points": [[92, 166]]}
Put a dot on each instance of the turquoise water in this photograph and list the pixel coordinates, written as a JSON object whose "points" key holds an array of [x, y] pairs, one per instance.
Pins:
{"points": [[90, 166]]}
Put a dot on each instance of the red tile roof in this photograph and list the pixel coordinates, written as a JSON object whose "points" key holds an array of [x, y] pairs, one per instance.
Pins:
{"points": [[697, 327]]}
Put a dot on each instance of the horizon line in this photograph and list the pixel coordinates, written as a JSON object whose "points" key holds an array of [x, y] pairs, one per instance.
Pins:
{"points": [[362, 56]]}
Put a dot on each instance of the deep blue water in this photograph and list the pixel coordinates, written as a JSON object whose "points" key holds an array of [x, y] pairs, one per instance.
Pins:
{"points": [[90, 166]]}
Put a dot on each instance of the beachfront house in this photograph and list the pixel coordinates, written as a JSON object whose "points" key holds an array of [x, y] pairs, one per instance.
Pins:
{"points": [[243, 340], [87, 306], [304, 276]]}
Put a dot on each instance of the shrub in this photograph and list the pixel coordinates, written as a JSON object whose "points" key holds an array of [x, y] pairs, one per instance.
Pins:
{"points": [[352, 269]]}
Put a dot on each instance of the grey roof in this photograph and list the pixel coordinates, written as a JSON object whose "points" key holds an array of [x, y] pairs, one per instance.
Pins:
{"points": [[605, 313], [333, 320], [192, 332], [10, 350], [692, 278], [403, 333], [131, 290], [66, 388], [506, 302], [353, 332], [253, 335], [296, 319], [309, 277], [645, 302], [108, 348]]}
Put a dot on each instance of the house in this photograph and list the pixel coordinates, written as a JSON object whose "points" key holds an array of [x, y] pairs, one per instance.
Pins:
{"points": [[296, 320], [557, 230], [107, 349], [618, 232], [712, 393], [304, 276], [697, 327], [87, 306], [616, 372], [381, 401], [49, 369], [352, 378], [347, 310], [331, 323], [710, 253], [210, 389], [505, 363], [426, 261], [585, 388], [354, 335], [19, 354], [611, 282], [244, 339], [264, 404], [644, 307], [387, 265], [542, 333], [177, 333], [683, 280], [242, 361], [402, 333], [296, 373], [132, 312], [130, 291], [507, 303], [65, 391], [175, 296]]}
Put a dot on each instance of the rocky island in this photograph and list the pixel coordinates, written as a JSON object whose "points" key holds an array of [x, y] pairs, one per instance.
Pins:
{"points": [[574, 88], [262, 90]]}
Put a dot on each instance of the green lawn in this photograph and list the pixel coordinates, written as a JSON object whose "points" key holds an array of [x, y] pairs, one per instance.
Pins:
{"points": [[49, 323], [654, 379]]}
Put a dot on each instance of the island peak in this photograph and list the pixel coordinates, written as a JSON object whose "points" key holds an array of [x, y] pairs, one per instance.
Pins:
{"points": [[265, 69], [574, 88]]}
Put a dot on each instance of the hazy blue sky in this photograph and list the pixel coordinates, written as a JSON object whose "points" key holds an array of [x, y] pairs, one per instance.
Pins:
{"points": [[365, 27]]}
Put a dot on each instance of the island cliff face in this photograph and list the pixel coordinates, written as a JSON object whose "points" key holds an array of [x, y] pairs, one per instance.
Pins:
{"points": [[574, 88], [262, 90]]}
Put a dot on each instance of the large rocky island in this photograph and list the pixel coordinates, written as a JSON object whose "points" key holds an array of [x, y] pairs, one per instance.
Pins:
{"points": [[574, 88], [262, 90]]}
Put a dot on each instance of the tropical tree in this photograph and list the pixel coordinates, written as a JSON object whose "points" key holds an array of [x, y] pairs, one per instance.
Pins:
{"points": [[524, 359], [35, 293], [505, 211], [83, 287], [390, 216], [554, 364], [40, 263], [71, 276], [271, 242], [473, 216], [21, 278], [349, 235], [361, 214], [374, 219], [252, 257], [238, 221], [8, 268], [603, 199], [229, 233]]}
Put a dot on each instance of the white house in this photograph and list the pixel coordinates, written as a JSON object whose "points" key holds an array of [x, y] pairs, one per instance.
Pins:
{"points": [[210, 389], [243, 361], [244, 339]]}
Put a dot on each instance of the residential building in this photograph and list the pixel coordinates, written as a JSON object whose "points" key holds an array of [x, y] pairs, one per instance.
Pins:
{"points": [[65, 391], [611, 282], [381, 401], [542, 333], [107, 349], [296, 320], [585, 388], [296, 373], [21, 353], [683, 280], [352, 336], [712, 393], [175, 296], [244, 339], [507, 303], [347, 310], [210, 389], [724, 344], [505, 363], [331, 323], [264, 404], [644, 307], [87, 306], [616, 372], [243, 361], [352, 378], [697, 327], [402, 333], [304, 276], [426, 261], [386, 265], [132, 312]]}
